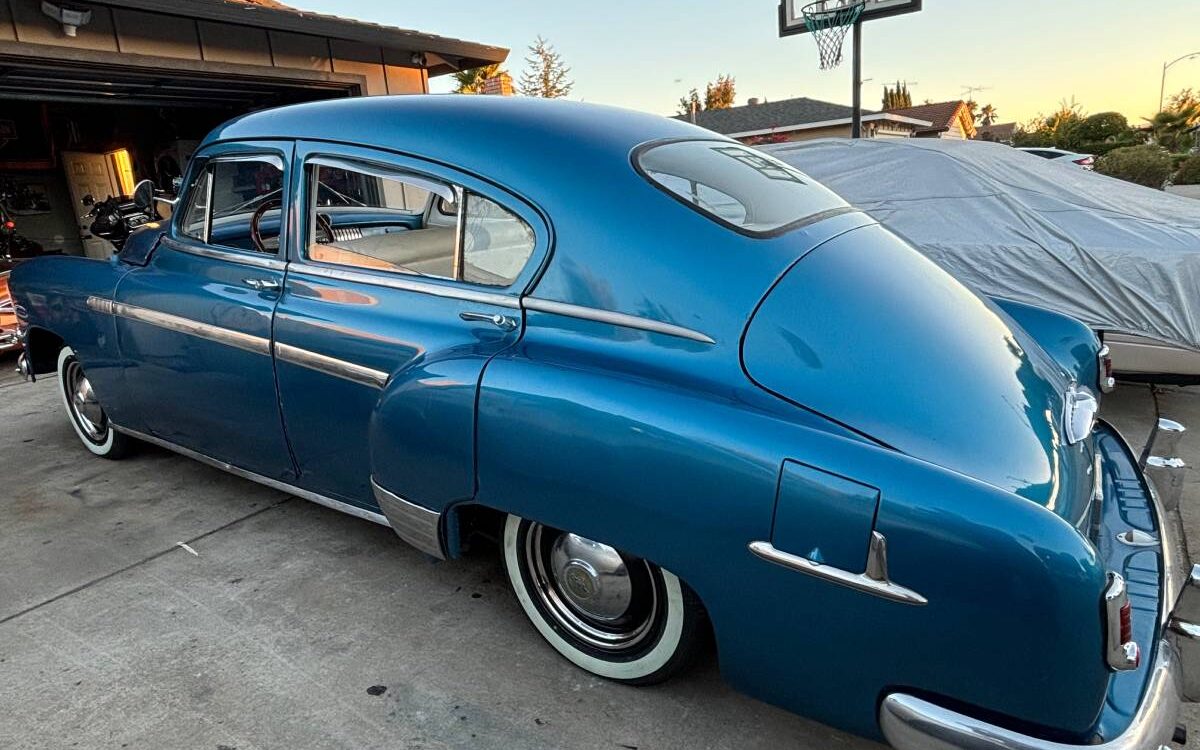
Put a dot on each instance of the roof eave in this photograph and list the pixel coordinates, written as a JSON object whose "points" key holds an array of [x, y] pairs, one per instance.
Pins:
{"points": [[457, 53]]}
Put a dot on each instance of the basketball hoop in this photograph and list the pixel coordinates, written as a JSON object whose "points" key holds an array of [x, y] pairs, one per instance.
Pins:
{"points": [[829, 21]]}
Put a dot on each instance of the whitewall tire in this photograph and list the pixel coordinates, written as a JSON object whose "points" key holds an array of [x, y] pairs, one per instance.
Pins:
{"points": [[84, 411], [610, 613]]}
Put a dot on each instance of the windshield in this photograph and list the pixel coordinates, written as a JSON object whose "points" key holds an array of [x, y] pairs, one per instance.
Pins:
{"points": [[736, 185]]}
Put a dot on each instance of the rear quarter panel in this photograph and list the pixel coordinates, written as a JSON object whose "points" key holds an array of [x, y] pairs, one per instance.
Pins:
{"points": [[613, 443]]}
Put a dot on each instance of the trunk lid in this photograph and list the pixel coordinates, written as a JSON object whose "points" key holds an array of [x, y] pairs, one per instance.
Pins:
{"points": [[870, 333]]}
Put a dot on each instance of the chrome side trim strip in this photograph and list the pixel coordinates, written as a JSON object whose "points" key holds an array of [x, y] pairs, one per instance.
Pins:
{"points": [[874, 581], [100, 305], [407, 284], [233, 256], [416, 525], [338, 368], [328, 502], [237, 339], [910, 723], [614, 318]]}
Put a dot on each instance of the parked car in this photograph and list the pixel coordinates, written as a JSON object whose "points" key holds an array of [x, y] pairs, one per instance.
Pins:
{"points": [[1122, 258], [888, 498], [1087, 161], [9, 337]]}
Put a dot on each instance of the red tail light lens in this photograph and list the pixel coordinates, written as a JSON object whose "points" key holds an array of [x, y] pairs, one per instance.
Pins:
{"points": [[1121, 651], [1108, 381], [1126, 623], [10, 225], [1087, 161]]}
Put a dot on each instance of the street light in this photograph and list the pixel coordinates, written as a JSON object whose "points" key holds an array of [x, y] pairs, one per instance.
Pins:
{"points": [[1162, 92]]}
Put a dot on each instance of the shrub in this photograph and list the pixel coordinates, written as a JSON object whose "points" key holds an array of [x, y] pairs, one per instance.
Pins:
{"points": [[1144, 165], [1106, 127], [1189, 173]]}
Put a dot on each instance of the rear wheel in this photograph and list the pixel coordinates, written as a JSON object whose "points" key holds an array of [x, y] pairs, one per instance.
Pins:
{"points": [[612, 614], [86, 414]]}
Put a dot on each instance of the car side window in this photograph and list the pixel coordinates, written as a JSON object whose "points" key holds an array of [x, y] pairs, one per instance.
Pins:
{"points": [[230, 197], [378, 218], [496, 243]]}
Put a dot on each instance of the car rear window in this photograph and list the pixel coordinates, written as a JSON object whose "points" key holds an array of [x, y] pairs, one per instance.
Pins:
{"points": [[735, 185]]}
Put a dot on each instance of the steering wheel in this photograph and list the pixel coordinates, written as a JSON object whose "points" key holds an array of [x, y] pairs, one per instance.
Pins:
{"points": [[324, 229], [255, 235]]}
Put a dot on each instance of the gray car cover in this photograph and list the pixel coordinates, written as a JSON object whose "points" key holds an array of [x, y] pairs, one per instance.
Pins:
{"points": [[1117, 256]]}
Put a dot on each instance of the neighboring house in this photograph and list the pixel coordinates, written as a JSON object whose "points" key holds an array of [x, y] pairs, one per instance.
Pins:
{"points": [[800, 120], [947, 120], [1002, 133]]}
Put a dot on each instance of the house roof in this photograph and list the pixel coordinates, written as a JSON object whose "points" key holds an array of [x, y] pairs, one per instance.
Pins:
{"points": [[787, 114], [941, 114], [1000, 132], [443, 54]]}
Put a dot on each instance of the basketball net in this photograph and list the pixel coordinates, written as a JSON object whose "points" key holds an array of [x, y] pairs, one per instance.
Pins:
{"points": [[829, 21]]}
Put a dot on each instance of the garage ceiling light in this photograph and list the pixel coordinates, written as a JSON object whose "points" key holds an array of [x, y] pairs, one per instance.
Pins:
{"points": [[70, 18]]}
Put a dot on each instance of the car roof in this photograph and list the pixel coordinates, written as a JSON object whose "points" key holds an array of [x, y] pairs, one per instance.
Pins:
{"points": [[468, 131]]}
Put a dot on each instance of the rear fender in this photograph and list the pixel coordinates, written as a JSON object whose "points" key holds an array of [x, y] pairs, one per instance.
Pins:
{"points": [[1071, 344]]}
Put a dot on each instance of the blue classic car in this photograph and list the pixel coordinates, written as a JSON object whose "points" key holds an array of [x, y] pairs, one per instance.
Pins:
{"points": [[687, 390]]}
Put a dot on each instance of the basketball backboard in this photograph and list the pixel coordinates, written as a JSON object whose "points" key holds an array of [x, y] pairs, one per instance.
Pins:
{"points": [[791, 20]]}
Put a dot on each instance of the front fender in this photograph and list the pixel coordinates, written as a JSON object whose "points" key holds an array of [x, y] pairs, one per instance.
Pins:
{"points": [[51, 293]]}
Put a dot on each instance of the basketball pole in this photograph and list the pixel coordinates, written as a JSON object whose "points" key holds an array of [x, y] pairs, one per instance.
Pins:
{"points": [[856, 122]]}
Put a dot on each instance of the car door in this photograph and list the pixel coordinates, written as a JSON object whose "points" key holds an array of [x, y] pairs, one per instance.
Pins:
{"points": [[405, 279], [194, 324]]}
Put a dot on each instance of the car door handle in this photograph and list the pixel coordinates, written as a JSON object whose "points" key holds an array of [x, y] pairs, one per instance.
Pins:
{"points": [[263, 285], [503, 322]]}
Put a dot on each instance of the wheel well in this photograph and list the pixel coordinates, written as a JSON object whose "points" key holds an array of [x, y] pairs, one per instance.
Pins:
{"points": [[42, 348]]}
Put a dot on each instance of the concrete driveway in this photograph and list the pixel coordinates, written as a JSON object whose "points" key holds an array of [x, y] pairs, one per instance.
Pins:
{"points": [[286, 625]]}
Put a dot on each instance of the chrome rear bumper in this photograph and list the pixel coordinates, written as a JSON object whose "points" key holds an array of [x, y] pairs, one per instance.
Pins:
{"points": [[911, 723]]}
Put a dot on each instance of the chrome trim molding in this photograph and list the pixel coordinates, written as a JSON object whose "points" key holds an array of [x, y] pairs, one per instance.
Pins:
{"points": [[101, 305], [614, 318], [910, 723], [407, 284], [328, 502], [233, 256], [1122, 656], [331, 366], [416, 525], [237, 339], [874, 581]]}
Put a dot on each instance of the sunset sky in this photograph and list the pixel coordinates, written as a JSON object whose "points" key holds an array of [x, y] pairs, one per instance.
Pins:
{"points": [[1029, 54]]}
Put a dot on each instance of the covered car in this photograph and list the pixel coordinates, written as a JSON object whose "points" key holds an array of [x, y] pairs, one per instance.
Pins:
{"points": [[1122, 258]]}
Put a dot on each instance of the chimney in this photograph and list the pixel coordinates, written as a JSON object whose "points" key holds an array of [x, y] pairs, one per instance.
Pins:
{"points": [[752, 102], [500, 85]]}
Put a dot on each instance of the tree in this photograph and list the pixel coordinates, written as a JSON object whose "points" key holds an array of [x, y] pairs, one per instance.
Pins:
{"points": [[1050, 130], [973, 110], [470, 81], [690, 103], [545, 74], [897, 98], [1171, 126], [719, 93], [988, 115]]}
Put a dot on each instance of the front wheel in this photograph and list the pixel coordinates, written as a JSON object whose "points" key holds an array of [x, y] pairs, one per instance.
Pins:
{"points": [[612, 614], [84, 410]]}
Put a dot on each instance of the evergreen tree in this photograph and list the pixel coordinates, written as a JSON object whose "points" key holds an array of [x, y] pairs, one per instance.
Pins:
{"points": [[545, 74], [720, 93]]}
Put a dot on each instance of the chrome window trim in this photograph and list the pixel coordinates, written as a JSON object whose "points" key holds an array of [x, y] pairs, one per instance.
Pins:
{"points": [[874, 581], [614, 318], [417, 525], [257, 260], [274, 484], [405, 283], [338, 368], [236, 339], [382, 171]]}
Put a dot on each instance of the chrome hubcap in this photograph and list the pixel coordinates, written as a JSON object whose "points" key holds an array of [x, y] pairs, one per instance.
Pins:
{"points": [[592, 576], [84, 404], [607, 600]]}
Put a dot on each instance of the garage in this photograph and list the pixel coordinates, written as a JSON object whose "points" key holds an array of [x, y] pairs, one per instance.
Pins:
{"points": [[97, 96]]}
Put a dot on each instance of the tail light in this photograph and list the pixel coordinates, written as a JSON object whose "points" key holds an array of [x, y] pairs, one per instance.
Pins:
{"points": [[1108, 382], [10, 225], [1086, 161], [1121, 651]]}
